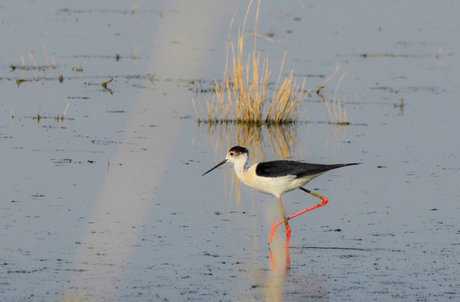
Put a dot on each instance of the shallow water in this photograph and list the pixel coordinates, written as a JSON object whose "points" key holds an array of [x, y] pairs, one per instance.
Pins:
{"points": [[109, 203]]}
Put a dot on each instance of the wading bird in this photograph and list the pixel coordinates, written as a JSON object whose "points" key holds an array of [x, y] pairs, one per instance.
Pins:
{"points": [[277, 177]]}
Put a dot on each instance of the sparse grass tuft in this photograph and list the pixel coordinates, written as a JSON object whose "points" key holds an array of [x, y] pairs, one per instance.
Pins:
{"points": [[335, 107]]}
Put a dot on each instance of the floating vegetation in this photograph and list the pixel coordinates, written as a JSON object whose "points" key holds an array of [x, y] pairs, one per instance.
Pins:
{"points": [[104, 84], [77, 69], [64, 113], [35, 67], [89, 80], [387, 55], [20, 81], [400, 105], [243, 97], [31, 67], [151, 78], [58, 117]]}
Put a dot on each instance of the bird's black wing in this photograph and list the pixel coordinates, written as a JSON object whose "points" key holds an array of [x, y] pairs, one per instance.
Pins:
{"points": [[279, 168]]}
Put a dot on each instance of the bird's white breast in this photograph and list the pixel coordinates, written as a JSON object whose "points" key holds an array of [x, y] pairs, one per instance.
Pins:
{"points": [[272, 185]]}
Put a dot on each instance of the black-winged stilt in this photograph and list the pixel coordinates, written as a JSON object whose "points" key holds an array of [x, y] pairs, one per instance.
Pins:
{"points": [[277, 177]]}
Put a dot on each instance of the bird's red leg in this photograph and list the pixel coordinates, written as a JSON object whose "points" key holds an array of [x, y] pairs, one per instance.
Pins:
{"points": [[285, 219], [321, 204], [286, 223]]}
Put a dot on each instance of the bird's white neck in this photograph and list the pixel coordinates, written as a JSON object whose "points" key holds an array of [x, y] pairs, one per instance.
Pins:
{"points": [[240, 167]]}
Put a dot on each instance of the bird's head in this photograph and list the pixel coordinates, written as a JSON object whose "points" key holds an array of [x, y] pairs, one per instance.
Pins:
{"points": [[235, 154]]}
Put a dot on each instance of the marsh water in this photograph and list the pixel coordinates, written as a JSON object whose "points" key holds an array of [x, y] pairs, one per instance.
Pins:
{"points": [[102, 193]]}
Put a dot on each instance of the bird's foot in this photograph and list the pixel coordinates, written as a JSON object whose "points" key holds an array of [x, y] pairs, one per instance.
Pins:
{"points": [[273, 232]]}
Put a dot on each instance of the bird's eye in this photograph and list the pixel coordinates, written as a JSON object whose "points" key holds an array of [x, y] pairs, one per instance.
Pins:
{"points": [[231, 153]]}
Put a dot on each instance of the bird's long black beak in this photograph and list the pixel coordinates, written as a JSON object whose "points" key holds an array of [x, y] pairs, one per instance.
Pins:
{"points": [[218, 165]]}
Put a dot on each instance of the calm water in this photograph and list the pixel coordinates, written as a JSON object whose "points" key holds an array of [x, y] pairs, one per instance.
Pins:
{"points": [[109, 203]]}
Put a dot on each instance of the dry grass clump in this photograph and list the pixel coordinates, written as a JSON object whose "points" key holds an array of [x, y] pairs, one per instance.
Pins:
{"points": [[243, 95]]}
